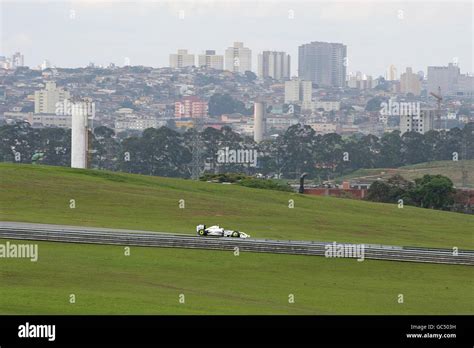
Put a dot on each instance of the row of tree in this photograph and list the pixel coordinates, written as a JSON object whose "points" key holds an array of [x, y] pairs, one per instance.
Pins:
{"points": [[430, 191], [166, 152]]}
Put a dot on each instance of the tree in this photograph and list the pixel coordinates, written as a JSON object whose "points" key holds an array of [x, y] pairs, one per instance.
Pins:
{"points": [[433, 191], [468, 141], [374, 104], [105, 148], [382, 85], [224, 104], [390, 151], [432, 141], [55, 145], [391, 191], [221, 104], [250, 76], [400, 188], [329, 155], [157, 152], [297, 150], [363, 152], [413, 148], [18, 142], [379, 191]]}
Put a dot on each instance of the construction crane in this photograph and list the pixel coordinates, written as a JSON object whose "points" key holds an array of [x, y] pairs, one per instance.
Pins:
{"points": [[439, 98]]}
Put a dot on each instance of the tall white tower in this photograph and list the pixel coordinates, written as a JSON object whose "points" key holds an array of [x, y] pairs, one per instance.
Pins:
{"points": [[79, 134], [258, 121]]}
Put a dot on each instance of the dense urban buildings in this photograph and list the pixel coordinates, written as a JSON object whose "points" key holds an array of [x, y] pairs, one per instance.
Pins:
{"points": [[298, 91], [46, 100], [421, 123], [443, 78], [410, 83], [323, 63], [15, 61], [211, 60], [360, 81], [238, 58], [276, 65], [448, 80], [190, 106], [134, 98], [391, 74], [181, 59]]}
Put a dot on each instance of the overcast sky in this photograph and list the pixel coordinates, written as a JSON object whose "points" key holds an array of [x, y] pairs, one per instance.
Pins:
{"points": [[377, 33]]}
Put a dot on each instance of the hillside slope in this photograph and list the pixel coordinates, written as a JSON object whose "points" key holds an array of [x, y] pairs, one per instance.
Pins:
{"points": [[151, 280], [451, 169], [105, 199]]}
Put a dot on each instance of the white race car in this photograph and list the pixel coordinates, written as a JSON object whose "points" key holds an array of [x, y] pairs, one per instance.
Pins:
{"points": [[217, 231]]}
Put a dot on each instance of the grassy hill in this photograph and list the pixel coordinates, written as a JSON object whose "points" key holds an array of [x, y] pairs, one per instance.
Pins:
{"points": [[104, 199], [451, 169], [150, 280]]}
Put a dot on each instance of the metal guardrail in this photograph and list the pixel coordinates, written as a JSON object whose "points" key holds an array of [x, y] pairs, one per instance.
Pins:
{"points": [[157, 239]]}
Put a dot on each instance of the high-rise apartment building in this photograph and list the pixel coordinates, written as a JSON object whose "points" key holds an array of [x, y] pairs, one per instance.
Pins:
{"points": [[360, 81], [410, 83], [211, 60], [465, 85], [15, 61], [48, 99], [298, 91], [190, 106], [444, 78], [181, 59], [421, 123], [391, 74], [238, 58], [18, 60], [323, 63], [448, 80], [274, 64]]}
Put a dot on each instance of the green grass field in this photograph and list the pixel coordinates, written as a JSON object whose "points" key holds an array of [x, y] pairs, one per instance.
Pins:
{"points": [[451, 169], [150, 281], [105, 199]]}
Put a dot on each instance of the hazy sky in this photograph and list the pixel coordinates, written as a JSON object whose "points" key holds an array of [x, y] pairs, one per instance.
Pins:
{"points": [[377, 33]]}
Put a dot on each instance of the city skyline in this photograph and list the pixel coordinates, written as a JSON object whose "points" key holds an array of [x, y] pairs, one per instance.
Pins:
{"points": [[273, 26]]}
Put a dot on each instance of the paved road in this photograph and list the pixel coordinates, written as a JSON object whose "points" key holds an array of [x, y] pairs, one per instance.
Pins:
{"points": [[76, 234]]}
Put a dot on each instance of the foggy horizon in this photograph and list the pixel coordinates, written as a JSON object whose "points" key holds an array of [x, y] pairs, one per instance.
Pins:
{"points": [[73, 34]]}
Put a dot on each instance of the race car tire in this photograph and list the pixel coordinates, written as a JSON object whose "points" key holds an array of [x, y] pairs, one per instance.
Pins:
{"points": [[235, 234], [202, 232]]}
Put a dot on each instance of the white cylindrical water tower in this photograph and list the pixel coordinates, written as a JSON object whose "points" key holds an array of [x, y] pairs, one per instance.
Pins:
{"points": [[258, 121], [79, 135]]}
